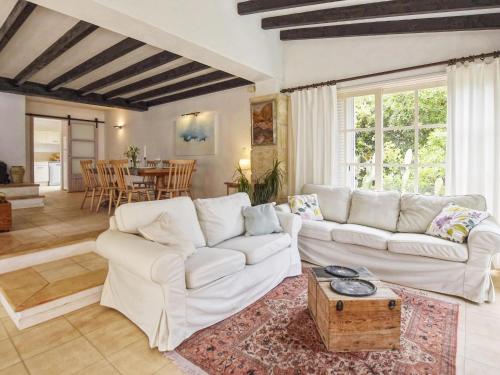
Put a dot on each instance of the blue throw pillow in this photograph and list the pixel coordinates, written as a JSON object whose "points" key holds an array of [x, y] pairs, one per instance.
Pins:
{"points": [[261, 219]]}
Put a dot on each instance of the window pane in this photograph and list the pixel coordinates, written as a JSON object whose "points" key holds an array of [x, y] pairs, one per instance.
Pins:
{"points": [[399, 146], [363, 176], [364, 111], [432, 146], [399, 178], [363, 145], [431, 180], [399, 109], [432, 105]]}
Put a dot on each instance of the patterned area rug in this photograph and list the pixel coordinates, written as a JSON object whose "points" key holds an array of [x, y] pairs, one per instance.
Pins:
{"points": [[276, 335]]}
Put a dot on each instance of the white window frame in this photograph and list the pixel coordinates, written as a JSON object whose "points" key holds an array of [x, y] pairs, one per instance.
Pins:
{"points": [[345, 99]]}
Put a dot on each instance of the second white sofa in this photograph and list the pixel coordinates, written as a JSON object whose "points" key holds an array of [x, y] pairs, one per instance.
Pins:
{"points": [[385, 231], [170, 299]]}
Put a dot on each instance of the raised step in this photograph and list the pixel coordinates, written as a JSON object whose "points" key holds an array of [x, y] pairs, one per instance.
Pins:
{"points": [[28, 201], [23, 195], [46, 284]]}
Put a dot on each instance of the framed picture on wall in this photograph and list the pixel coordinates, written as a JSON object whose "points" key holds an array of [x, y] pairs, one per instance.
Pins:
{"points": [[263, 123], [195, 134]]}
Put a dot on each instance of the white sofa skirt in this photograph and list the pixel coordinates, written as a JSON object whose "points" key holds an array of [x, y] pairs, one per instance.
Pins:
{"points": [[470, 280], [168, 314]]}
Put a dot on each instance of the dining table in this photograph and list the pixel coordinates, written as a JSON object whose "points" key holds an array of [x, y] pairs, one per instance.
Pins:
{"points": [[156, 172]]}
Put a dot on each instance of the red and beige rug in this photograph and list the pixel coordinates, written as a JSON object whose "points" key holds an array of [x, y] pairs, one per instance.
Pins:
{"points": [[276, 335]]}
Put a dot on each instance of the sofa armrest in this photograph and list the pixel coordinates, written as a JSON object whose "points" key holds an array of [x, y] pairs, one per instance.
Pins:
{"points": [[291, 224], [486, 236], [149, 260], [284, 207]]}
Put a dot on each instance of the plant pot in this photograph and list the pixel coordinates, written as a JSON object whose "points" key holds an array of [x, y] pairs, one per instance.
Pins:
{"points": [[17, 174]]}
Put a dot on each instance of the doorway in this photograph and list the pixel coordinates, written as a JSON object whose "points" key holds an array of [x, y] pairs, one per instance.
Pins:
{"points": [[47, 151]]}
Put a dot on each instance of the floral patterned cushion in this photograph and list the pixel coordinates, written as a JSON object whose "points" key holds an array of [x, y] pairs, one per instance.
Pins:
{"points": [[306, 206], [454, 223]]}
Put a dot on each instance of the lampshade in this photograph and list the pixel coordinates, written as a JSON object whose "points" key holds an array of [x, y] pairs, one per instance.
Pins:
{"points": [[244, 164]]}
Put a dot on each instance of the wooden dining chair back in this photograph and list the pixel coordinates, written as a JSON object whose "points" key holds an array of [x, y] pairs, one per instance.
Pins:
{"points": [[108, 188], [89, 182], [178, 180], [125, 190]]}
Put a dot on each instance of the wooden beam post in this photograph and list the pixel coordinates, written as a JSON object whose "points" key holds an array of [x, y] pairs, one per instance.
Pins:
{"points": [[112, 53], [256, 6], [169, 75], [375, 10], [220, 86], [14, 21], [422, 25], [130, 71], [65, 42], [37, 89]]}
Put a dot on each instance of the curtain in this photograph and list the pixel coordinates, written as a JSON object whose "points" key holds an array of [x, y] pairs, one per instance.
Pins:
{"points": [[473, 156], [314, 156]]}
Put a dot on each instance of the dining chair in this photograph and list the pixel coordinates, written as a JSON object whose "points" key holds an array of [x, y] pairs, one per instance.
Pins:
{"points": [[90, 182], [107, 183], [178, 179], [125, 190], [148, 181]]}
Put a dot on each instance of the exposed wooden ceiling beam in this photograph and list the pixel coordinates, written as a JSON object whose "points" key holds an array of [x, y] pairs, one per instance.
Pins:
{"points": [[65, 42], [375, 10], [130, 71], [186, 84], [220, 86], [256, 6], [37, 89], [112, 53], [423, 25], [14, 21], [169, 75]]}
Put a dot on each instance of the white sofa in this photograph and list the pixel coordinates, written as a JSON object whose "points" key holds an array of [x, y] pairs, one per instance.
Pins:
{"points": [[384, 231], [170, 299]]}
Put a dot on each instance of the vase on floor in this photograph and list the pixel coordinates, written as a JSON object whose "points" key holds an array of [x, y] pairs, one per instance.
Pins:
{"points": [[17, 174]]}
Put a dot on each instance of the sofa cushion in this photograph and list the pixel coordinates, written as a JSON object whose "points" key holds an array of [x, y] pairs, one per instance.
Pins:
{"points": [[334, 202], [362, 235], [377, 209], [418, 211], [319, 230], [129, 217], [258, 248], [222, 218], [210, 264], [428, 246], [261, 219], [165, 231]]}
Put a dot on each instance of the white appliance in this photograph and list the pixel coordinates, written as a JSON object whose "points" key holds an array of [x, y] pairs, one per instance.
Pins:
{"points": [[54, 173], [41, 172]]}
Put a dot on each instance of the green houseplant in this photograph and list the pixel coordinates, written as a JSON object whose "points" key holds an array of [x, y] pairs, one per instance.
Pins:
{"points": [[266, 188], [132, 154]]}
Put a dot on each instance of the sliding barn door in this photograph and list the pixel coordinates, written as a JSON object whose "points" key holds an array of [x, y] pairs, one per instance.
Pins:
{"points": [[82, 145]]}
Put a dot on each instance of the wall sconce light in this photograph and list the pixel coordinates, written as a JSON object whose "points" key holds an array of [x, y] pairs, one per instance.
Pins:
{"points": [[118, 126], [195, 114]]}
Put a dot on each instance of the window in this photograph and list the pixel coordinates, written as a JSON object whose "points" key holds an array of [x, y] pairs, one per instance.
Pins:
{"points": [[395, 139]]}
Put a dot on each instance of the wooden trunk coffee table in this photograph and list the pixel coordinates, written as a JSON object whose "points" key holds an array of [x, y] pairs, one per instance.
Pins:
{"points": [[355, 323]]}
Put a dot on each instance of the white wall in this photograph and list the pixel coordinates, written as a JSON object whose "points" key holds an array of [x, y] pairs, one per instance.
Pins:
{"points": [[156, 129], [310, 61], [12, 129]]}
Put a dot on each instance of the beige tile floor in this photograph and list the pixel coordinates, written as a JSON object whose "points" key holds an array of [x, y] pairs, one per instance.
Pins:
{"points": [[61, 219], [98, 340]]}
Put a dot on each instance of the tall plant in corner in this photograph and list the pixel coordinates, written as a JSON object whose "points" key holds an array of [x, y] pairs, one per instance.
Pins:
{"points": [[266, 188]]}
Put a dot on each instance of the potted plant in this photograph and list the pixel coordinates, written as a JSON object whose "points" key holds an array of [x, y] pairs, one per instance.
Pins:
{"points": [[132, 154], [265, 188]]}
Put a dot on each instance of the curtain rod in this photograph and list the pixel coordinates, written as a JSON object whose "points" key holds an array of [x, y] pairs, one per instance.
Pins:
{"points": [[65, 118], [443, 62]]}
